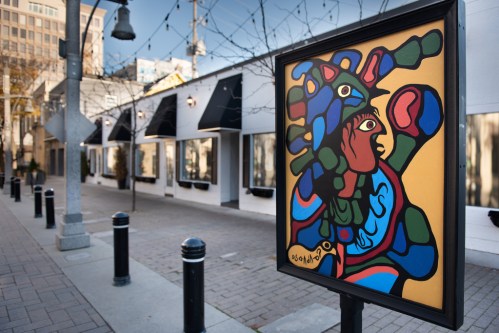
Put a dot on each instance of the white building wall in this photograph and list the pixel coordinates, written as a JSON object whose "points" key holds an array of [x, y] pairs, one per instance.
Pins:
{"points": [[482, 71], [258, 111]]}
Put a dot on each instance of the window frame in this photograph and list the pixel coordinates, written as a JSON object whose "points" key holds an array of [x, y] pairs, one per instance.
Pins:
{"points": [[249, 161], [181, 168]]}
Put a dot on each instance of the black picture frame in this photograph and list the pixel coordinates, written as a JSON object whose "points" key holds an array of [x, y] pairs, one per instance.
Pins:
{"points": [[402, 18]]}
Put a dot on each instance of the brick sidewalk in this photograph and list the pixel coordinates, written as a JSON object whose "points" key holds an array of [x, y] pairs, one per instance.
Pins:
{"points": [[35, 295], [240, 268]]}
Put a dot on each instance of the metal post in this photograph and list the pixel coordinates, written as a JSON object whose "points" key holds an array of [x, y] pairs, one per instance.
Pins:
{"points": [[17, 189], [49, 208], [7, 128], [38, 200], [121, 272], [193, 252], [12, 188], [351, 314], [71, 234], [2, 179]]}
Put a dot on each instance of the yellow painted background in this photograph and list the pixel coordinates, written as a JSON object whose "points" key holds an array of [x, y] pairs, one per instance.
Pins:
{"points": [[423, 180]]}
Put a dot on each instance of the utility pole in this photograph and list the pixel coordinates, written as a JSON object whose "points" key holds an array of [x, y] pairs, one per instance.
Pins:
{"points": [[7, 130], [194, 39], [71, 232]]}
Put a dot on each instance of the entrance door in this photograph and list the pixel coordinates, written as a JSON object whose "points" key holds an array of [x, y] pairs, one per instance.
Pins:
{"points": [[170, 166]]}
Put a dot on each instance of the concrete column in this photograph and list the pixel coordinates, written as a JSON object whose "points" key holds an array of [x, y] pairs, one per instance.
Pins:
{"points": [[71, 232], [7, 130]]}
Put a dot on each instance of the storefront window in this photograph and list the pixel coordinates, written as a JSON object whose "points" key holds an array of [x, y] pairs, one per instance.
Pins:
{"points": [[264, 160], [109, 154], [146, 160], [197, 160], [482, 160]]}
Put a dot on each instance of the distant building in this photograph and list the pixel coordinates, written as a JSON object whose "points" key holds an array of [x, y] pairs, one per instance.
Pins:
{"points": [[147, 71], [30, 30], [29, 37]]}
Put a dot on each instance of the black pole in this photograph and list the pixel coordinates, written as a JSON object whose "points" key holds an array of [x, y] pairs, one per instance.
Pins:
{"points": [[49, 208], [2, 179], [12, 186], [193, 252], [38, 200], [17, 189], [121, 271], [351, 314]]}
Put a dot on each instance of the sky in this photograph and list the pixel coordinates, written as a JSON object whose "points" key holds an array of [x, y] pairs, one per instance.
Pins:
{"points": [[232, 30]]}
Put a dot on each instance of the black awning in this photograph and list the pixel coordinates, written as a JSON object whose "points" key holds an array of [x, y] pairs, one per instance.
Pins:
{"points": [[164, 122], [224, 108], [95, 138], [122, 129]]}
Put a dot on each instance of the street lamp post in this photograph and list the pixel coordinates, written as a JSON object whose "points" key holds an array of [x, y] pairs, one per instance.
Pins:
{"points": [[71, 232]]}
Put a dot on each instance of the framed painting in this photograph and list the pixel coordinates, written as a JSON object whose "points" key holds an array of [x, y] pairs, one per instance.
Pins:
{"points": [[370, 161]]}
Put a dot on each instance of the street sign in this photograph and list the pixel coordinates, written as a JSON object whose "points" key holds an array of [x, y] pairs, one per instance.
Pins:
{"points": [[55, 126], [370, 187]]}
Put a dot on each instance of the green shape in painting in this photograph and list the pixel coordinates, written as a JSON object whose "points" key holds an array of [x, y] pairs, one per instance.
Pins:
{"points": [[415, 222]]}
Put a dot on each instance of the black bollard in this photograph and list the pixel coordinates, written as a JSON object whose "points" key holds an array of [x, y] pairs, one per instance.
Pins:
{"points": [[49, 208], [17, 189], [38, 200], [2, 179], [120, 226], [12, 191], [193, 252]]}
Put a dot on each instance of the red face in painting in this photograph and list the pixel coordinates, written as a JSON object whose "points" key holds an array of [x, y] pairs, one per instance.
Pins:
{"points": [[358, 142]]}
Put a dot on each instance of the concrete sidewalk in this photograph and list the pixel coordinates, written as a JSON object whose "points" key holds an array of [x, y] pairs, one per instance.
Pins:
{"points": [[149, 304]]}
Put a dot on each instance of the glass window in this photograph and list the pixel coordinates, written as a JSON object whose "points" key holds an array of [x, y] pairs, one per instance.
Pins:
{"points": [[13, 46], [146, 160], [46, 24], [14, 32], [5, 30], [109, 160], [38, 51], [5, 45], [482, 162], [15, 3], [31, 35], [31, 20], [6, 15], [197, 159], [83, 19], [31, 49], [22, 48], [22, 19], [23, 33], [15, 17], [6, 2], [38, 22], [264, 160], [97, 22], [46, 38], [38, 37], [54, 40], [54, 26]]}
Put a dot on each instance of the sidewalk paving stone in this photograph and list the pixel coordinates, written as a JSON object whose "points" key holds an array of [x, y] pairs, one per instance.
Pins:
{"points": [[240, 266]]}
